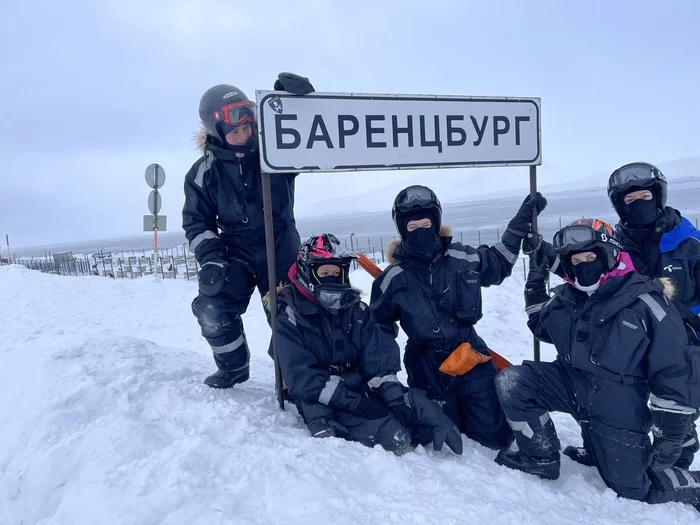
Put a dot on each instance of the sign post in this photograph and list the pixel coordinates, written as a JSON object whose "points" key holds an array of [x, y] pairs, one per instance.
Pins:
{"points": [[327, 132], [155, 178], [9, 253]]}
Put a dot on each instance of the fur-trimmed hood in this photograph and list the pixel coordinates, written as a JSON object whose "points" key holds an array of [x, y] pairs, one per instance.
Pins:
{"points": [[669, 288], [445, 231], [200, 138], [266, 297]]}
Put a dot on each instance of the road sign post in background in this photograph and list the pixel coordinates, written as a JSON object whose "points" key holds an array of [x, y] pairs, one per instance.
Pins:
{"points": [[325, 132], [155, 178]]}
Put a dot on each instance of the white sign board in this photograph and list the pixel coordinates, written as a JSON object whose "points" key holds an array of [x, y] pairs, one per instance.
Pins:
{"points": [[344, 132]]}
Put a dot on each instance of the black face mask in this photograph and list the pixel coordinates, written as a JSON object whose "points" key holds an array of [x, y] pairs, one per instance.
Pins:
{"points": [[641, 212], [329, 279], [589, 273], [423, 241]]}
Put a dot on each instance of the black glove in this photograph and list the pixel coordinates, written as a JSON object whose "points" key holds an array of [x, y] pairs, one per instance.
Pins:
{"points": [[323, 427], [535, 286], [404, 414], [431, 415], [670, 430], [294, 84], [541, 252], [369, 409], [212, 277], [521, 224]]}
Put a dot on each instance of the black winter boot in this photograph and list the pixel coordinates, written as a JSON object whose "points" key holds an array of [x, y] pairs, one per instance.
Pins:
{"points": [[535, 450], [674, 484], [226, 379]]}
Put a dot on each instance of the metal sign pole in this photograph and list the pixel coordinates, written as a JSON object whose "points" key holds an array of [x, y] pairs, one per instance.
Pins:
{"points": [[533, 193], [155, 224], [272, 281]]}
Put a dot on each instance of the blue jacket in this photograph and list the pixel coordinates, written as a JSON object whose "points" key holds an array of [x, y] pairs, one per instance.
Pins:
{"points": [[671, 250]]}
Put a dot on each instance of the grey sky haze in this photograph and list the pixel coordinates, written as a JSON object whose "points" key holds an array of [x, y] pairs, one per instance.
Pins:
{"points": [[94, 91]]}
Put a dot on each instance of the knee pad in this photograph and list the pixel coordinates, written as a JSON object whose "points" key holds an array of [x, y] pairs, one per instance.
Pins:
{"points": [[393, 437], [214, 321], [506, 382]]}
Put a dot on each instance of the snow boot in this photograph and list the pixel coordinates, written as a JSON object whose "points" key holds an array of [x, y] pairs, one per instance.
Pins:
{"points": [[535, 449], [227, 378], [580, 455], [674, 484]]}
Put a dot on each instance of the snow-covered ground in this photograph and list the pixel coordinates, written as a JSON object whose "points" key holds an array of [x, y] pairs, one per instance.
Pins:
{"points": [[104, 420]]}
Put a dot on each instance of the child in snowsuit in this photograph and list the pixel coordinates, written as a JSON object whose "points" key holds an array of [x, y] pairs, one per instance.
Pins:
{"points": [[340, 367], [433, 288], [624, 367]]}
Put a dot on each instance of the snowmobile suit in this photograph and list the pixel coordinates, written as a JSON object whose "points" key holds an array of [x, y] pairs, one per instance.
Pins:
{"points": [[616, 350], [331, 363], [224, 224], [671, 249], [437, 303]]}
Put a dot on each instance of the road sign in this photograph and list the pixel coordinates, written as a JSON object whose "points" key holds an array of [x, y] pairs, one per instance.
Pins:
{"points": [[344, 131], [154, 202], [149, 226], [155, 176]]}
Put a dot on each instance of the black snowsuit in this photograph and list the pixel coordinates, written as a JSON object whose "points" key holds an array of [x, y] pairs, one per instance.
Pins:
{"points": [[330, 362], [437, 304], [671, 249], [615, 349], [223, 222]]}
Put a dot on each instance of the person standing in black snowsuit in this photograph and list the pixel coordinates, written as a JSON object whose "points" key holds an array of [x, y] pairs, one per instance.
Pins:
{"points": [[662, 243], [624, 367], [340, 366], [224, 223], [433, 288]]}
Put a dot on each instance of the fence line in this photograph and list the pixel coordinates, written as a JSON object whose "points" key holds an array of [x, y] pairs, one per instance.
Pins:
{"points": [[176, 265]]}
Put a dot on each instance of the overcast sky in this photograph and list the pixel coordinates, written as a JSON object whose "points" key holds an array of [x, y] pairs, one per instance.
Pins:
{"points": [[94, 91]]}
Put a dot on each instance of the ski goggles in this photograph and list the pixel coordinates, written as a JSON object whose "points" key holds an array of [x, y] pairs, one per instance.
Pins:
{"points": [[238, 113], [413, 197], [577, 238], [634, 175]]}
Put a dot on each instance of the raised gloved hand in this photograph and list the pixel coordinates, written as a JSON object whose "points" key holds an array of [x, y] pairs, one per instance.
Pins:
{"points": [[539, 250], [521, 224], [211, 277], [669, 429], [431, 415], [369, 409], [536, 286], [293, 83]]}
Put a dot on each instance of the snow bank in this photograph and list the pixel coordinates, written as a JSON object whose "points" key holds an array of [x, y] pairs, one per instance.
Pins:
{"points": [[105, 420]]}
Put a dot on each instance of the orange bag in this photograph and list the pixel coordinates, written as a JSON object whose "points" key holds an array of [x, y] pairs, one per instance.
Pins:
{"points": [[462, 360]]}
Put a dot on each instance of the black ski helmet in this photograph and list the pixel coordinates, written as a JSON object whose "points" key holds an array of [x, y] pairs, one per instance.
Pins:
{"points": [[641, 175], [583, 235], [415, 198], [224, 103]]}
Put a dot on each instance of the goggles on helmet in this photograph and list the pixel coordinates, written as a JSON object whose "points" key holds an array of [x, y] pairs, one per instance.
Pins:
{"points": [[579, 238], [634, 175], [416, 196], [238, 113]]}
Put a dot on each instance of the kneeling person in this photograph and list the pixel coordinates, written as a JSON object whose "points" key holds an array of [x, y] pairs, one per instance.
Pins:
{"points": [[624, 368], [340, 367]]}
